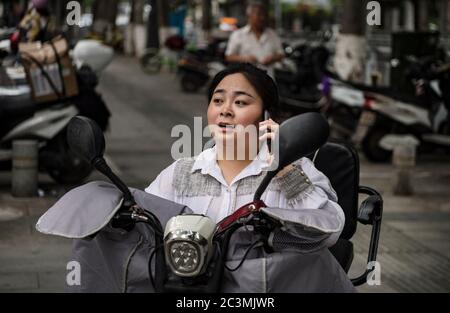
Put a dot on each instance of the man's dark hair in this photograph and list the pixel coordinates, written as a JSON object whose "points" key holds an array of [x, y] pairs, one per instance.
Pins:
{"points": [[259, 79], [256, 4]]}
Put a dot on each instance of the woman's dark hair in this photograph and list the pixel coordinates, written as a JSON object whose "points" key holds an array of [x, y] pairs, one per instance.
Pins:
{"points": [[259, 79]]}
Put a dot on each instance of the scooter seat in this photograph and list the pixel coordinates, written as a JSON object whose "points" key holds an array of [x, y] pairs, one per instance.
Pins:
{"points": [[16, 101], [386, 91], [394, 94]]}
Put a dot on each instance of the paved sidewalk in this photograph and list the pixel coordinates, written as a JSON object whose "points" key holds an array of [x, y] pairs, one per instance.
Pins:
{"points": [[29, 261], [414, 251]]}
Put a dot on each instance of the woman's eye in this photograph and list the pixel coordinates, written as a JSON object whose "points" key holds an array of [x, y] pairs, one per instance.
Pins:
{"points": [[240, 102], [217, 100]]}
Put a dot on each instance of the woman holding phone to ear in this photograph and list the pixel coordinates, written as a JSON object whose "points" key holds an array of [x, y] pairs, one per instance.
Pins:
{"points": [[216, 184]]}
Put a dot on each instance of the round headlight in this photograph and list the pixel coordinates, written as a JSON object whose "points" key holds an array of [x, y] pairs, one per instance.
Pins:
{"points": [[187, 244], [184, 256]]}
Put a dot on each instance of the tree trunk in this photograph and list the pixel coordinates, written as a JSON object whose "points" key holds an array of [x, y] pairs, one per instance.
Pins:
{"points": [[163, 20], [153, 26], [206, 15], [422, 15], [349, 61], [353, 17], [136, 30], [137, 9], [105, 13], [59, 11], [445, 17], [163, 8]]}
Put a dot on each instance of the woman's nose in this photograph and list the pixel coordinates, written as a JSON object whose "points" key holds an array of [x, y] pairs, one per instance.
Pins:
{"points": [[226, 114], [226, 111]]}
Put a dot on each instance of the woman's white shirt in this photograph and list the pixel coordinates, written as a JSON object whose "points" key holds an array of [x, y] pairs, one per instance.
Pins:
{"points": [[199, 184]]}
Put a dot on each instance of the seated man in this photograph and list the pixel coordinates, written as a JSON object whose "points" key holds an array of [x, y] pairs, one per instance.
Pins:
{"points": [[255, 43]]}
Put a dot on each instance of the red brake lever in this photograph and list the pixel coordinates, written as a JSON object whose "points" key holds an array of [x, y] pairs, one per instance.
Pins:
{"points": [[244, 211]]}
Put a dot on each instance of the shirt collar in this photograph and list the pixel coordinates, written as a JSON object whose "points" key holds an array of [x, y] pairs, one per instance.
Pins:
{"points": [[248, 30], [206, 162]]}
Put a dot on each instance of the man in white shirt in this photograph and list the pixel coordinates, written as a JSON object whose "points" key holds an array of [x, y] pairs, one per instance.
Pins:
{"points": [[255, 43]]}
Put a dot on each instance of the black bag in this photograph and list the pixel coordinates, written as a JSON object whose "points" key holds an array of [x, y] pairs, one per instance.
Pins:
{"points": [[88, 101]]}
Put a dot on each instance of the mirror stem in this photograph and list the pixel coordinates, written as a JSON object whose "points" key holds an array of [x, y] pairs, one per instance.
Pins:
{"points": [[262, 187], [100, 164]]}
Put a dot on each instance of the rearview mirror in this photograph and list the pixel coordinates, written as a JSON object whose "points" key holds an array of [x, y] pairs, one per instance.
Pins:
{"points": [[85, 138], [298, 137], [301, 135]]}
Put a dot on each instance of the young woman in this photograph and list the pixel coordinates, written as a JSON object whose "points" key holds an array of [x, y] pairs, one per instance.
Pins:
{"points": [[216, 183]]}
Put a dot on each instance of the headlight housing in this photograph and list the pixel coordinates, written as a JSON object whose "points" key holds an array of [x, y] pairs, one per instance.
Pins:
{"points": [[188, 244]]}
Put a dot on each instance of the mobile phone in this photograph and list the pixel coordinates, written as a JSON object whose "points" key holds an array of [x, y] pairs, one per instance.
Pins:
{"points": [[266, 117]]}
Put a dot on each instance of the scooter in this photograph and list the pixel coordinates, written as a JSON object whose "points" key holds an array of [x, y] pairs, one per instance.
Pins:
{"points": [[426, 119], [5, 38], [194, 73], [195, 69], [121, 244], [345, 108], [301, 80], [21, 118]]}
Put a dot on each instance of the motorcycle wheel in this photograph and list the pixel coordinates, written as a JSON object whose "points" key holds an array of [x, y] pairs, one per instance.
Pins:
{"points": [[62, 164], [191, 83], [371, 146]]}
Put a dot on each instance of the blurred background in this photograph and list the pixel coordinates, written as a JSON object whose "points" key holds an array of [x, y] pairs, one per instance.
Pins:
{"points": [[377, 70]]}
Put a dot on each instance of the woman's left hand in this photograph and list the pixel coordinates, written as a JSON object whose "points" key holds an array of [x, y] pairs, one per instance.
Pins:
{"points": [[270, 129]]}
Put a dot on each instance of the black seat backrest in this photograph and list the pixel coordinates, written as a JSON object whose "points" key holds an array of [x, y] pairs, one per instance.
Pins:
{"points": [[340, 163]]}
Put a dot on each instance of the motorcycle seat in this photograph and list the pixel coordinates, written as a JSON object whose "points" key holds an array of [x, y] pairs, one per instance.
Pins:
{"points": [[396, 95], [385, 91], [340, 163], [388, 92]]}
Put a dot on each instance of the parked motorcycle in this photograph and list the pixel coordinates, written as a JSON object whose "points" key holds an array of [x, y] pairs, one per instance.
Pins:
{"points": [[346, 105], [302, 81], [122, 245], [364, 114], [5, 39], [196, 68], [426, 117], [22, 118]]}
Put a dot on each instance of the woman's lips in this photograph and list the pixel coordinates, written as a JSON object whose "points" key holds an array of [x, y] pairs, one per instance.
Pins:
{"points": [[226, 128]]}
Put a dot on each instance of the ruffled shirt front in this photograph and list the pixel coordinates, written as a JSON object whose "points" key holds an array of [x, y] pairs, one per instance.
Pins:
{"points": [[198, 183]]}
